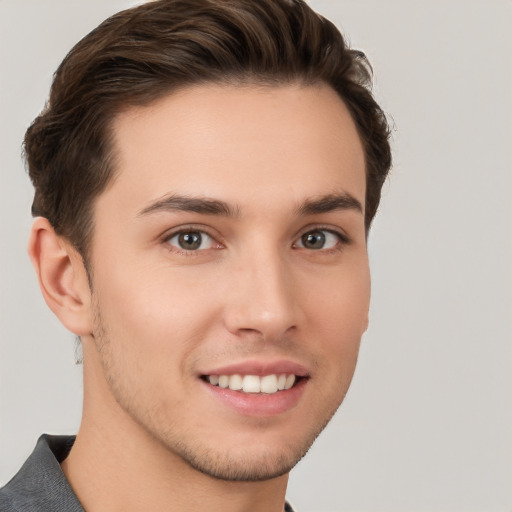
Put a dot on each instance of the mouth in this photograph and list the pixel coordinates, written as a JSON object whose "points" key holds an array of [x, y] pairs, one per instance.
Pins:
{"points": [[257, 388], [255, 384]]}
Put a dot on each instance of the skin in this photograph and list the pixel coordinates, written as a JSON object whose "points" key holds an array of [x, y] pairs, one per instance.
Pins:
{"points": [[158, 316]]}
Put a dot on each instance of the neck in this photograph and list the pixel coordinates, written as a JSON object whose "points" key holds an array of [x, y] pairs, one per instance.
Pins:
{"points": [[116, 465]]}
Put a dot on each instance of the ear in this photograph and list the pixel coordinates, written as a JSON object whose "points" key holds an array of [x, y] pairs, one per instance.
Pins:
{"points": [[62, 277]]}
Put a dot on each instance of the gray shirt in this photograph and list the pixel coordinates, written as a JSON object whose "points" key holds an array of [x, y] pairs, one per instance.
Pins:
{"points": [[40, 484]]}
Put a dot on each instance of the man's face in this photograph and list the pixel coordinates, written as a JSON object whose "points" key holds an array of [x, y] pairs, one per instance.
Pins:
{"points": [[230, 250]]}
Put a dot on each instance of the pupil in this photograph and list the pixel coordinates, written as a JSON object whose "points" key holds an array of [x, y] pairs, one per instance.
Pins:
{"points": [[190, 241], [313, 240]]}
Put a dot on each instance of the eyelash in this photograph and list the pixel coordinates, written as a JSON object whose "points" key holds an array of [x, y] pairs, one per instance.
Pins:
{"points": [[188, 229], [343, 240]]}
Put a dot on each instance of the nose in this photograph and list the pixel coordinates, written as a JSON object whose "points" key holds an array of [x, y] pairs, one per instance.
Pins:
{"points": [[261, 299]]}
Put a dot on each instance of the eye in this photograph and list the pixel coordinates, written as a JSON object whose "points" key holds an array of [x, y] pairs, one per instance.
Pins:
{"points": [[319, 239], [192, 240]]}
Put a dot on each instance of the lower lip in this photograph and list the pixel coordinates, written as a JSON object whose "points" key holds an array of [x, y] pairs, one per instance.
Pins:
{"points": [[259, 404]]}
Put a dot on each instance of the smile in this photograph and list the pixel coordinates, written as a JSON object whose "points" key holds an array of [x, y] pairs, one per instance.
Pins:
{"points": [[268, 384]]}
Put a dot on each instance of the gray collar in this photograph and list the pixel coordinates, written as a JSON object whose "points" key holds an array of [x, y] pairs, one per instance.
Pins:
{"points": [[40, 484]]}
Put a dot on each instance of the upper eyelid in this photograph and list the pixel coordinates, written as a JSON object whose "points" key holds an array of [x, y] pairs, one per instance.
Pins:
{"points": [[166, 238], [341, 242], [344, 237], [172, 232], [177, 233]]}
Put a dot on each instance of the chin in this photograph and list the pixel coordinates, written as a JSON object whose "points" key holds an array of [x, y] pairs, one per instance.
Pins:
{"points": [[250, 458], [246, 466]]}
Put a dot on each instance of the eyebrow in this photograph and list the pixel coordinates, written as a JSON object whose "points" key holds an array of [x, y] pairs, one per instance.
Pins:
{"points": [[329, 203], [202, 205], [207, 206]]}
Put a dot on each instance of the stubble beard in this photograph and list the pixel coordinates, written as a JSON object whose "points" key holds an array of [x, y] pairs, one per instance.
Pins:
{"points": [[245, 467], [232, 465]]}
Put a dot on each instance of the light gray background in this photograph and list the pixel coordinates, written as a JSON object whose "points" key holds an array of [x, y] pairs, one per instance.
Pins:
{"points": [[427, 425]]}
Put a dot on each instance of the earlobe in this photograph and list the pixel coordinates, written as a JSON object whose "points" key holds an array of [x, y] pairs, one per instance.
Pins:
{"points": [[62, 277]]}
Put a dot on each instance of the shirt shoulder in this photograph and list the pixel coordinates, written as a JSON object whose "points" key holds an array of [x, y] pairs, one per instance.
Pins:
{"points": [[40, 484]]}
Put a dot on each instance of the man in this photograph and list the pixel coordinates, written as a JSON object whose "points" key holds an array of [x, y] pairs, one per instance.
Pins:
{"points": [[205, 177]]}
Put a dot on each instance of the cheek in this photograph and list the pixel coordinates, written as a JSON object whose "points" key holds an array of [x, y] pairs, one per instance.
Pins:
{"points": [[339, 316], [155, 313], [151, 329], [343, 302]]}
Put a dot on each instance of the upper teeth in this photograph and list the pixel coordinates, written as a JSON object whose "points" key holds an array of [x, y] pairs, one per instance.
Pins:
{"points": [[253, 383]]}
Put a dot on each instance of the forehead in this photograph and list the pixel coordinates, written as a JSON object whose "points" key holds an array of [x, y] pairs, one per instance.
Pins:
{"points": [[233, 142]]}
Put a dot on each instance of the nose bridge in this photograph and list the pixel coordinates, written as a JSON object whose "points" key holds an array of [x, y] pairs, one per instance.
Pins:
{"points": [[263, 298]]}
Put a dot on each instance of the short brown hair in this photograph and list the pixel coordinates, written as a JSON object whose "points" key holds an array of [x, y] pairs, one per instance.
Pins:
{"points": [[141, 54]]}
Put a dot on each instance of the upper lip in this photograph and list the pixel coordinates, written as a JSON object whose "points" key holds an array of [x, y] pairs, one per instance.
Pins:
{"points": [[260, 368]]}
